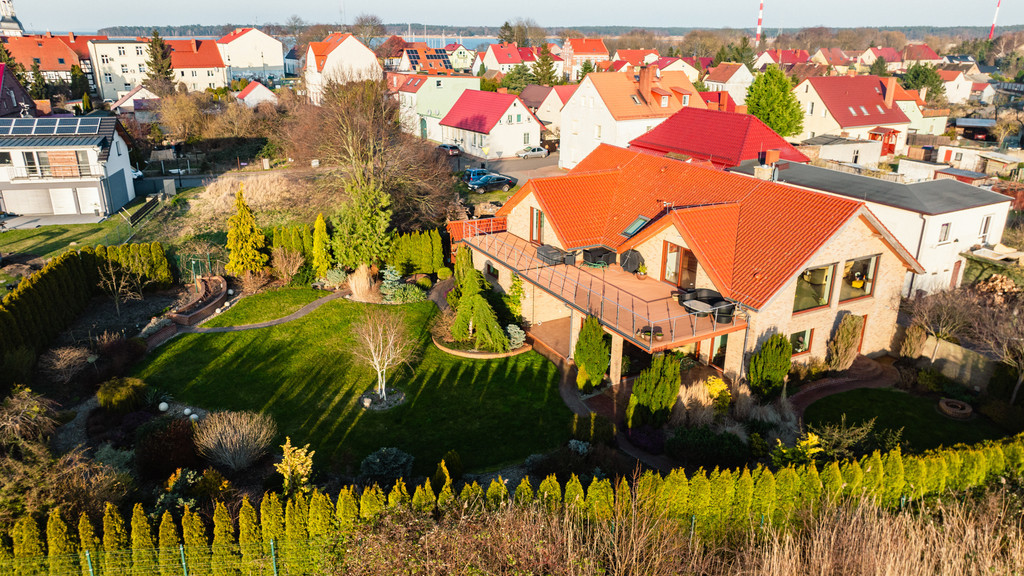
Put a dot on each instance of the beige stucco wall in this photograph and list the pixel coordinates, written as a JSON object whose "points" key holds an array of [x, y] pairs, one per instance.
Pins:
{"points": [[653, 252], [519, 222]]}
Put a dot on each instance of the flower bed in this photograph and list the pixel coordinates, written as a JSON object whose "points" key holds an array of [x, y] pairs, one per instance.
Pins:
{"points": [[476, 355]]}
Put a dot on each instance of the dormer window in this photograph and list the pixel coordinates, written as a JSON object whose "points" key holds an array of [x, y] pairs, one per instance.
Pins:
{"points": [[635, 99], [686, 100], [880, 111], [664, 101]]}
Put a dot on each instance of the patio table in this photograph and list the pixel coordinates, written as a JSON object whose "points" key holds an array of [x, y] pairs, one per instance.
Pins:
{"points": [[701, 309]]}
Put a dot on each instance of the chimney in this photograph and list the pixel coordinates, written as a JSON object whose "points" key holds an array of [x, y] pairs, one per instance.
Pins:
{"points": [[766, 173], [71, 36], [924, 92], [890, 92], [646, 82], [769, 157]]}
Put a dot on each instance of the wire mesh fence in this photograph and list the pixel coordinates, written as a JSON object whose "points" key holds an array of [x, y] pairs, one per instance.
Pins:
{"points": [[192, 265]]}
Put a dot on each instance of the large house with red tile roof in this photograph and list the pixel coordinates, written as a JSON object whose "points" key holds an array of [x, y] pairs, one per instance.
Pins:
{"points": [[615, 108], [419, 57], [724, 139], [920, 54], [862, 107], [893, 58], [637, 57], [840, 61], [576, 51], [338, 58], [80, 44], [504, 57], [780, 58], [251, 53], [461, 58], [730, 77], [120, 65], [924, 119], [53, 56], [426, 99], [490, 125], [722, 102], [958, 86], [728, 260], [547, 103]]}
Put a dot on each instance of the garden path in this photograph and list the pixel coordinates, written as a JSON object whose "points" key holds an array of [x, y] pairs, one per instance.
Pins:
{"points": [[865, 373], [289, 318]]}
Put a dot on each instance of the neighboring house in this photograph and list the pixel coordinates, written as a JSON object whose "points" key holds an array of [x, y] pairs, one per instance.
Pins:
{"points": [[730, 77], [255, 94], [533, 96], [860, 107], [982, 92], [701, 65], [9, 24], [293, 62], [722, 102], [844, 150], [983, 160], [669, 64], [693, 228], [461, 58], [781, 58], [15, 101], [958, 86], [576, 51], [547, 103], [923, 118], [914, 170], [965, 176], [490, 125], [252, 53], [339, 58], [698, 134], [426, 100], [615, 108], [920, 54], [892, 56], [418, 57], [478, 62], [140, 103], [502, 57], [120, 65], [64, 166], [837, 59], [637, 57], [530, 56], [54, 57], [80, 44], [935, 220], [801, 72]]}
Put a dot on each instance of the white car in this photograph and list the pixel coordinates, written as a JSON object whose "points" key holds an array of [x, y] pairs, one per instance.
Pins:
{"points": [[136, 174], [532, 152]]}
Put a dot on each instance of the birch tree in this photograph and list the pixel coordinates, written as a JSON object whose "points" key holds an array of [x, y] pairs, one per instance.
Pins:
{"points": [[383, 341]]}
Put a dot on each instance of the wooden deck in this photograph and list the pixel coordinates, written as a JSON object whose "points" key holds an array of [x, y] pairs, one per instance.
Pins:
{"points": [[623, 303]]}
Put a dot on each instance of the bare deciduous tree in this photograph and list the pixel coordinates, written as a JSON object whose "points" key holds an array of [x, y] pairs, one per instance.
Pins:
{"points": [[120, 283], [945, 315], [366, 27], [383, 341], [999, 331], [63, 364], [287, 262]]}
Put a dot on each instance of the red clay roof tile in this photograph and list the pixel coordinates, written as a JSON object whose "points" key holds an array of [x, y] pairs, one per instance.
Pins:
{"points": [[845, 96]]}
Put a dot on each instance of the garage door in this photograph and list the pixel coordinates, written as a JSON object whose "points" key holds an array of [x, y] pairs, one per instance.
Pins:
{"points": [[63, 200], [28, 201]]}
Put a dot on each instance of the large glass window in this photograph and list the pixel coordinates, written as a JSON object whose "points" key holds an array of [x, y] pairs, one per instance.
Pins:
{"points": [[801, 341], [680, 266], [858, 278], [536, 226], [718, 348], [813, 289]]}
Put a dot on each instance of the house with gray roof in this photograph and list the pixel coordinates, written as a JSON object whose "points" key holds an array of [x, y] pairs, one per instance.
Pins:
{"points": [[935, 220], [75, 165]]}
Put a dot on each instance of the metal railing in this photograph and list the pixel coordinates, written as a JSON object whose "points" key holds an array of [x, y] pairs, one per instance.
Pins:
{"points": [[54, 172], [634, 318]]}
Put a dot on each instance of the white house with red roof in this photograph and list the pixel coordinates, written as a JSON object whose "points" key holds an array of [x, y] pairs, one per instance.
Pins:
{"points": [[728, 260], [924, 119], [80, 44], [426, 99], [780, 58], [54, 57], [958, 86], [255, 94], [419, 57], [637, 57], [615, 108], [490, 125], [338, 58], [461, 58], [983, 92], [893, 58], [252, 53], [861, 107], [730, 77], [502, 57], [120, 64], [920, 53], [840, 61], [547, 103], [576, 51], [141, 103]]}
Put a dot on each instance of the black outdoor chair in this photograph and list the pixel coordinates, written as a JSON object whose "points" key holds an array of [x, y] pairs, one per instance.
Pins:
{"points": [[724, 311], [707, 296]]}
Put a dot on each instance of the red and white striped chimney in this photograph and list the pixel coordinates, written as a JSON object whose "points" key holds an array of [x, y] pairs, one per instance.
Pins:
{"points": [[992, 32], [760, 21]]}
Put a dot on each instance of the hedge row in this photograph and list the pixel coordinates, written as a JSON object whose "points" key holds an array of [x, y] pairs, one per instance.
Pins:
{"points": [[417, 253], [48, 301], [304, 527]]}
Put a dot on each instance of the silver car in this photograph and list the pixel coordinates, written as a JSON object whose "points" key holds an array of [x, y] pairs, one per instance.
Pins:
{"points": [[532, 152]]}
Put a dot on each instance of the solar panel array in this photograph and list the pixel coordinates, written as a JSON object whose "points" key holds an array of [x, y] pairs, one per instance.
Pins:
{"points": [[49, 126], [414, 57]]}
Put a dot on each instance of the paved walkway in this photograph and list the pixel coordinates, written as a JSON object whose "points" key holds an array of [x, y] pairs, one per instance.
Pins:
{"points": [[865, 373], [293, 316]]}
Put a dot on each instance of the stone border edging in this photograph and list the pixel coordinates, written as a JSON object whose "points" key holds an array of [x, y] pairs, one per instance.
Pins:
{"points": [[481, 355]]}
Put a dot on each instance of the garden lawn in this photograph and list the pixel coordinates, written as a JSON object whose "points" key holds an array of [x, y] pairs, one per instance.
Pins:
{"points": [[923, 426], [51, 240], [492, 412], [266, 306]]}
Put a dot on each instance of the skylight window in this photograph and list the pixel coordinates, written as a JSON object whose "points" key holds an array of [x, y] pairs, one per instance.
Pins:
{"points": [[852, 111], [635, 100], [880, 111], [864, 110], [635, 226]]}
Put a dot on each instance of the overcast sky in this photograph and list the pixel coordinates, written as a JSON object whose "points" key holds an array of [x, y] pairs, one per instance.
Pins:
{"points": [[62, 15]]}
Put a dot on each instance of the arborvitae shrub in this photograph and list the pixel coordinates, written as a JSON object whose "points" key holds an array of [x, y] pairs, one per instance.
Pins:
{"points": [[371, 503], [524, 492], [770, 366], [346, 510], [762, 503], [497, 494], [121, 395], [674, 496], [423, 499], [115, 537], [271, 520], [574, 494], [168, 542], [143, 549], [399, 495], [600, 499], [592, 355]]}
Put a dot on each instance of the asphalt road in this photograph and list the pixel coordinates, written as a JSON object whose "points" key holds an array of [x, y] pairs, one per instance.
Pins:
{"points": [[518, 168]]}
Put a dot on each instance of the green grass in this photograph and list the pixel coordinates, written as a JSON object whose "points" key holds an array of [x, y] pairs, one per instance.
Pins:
{"points": [[51, 240], [6, 279], [491, 412], [923, 426], [266, 306]]}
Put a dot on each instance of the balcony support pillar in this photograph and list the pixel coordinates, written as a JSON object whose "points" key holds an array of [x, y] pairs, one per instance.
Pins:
{"points": [[615, 369], [575, 324]]}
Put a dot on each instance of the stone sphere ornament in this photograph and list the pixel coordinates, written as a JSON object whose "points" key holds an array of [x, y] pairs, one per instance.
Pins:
{"points": [[163, 406], [187, 411]]}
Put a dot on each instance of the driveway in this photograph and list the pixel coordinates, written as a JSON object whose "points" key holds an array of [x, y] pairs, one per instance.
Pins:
{"points": [[518, 168], [29, 222]]}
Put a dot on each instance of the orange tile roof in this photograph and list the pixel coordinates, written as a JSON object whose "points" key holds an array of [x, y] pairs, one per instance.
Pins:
{"points": [[565, 92], [234, 35], [80, 44], [195, 54], [617, 91], [50, 52], [594, 46], [723, 72], [752, 236], [949, 75], [322, 49], [636, 57]]}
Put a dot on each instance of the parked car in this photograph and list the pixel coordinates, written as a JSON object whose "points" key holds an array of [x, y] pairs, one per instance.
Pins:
{"points": [[532, 152], [450, 149], [475, 174], [136, 173], [491, 182]]}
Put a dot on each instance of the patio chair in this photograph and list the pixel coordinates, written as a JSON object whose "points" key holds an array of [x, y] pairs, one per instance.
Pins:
{"points": [[724, 311]]}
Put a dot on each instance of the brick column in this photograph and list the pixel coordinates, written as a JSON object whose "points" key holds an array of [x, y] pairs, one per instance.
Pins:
{"points": [[615, 369], [574, 331]]}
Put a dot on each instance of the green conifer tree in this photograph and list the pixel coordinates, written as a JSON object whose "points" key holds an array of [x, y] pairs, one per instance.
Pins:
{"points": [[723, 491], [423, 499], [38, 86], [674, 497], [497, 494], [362, 232], [322, 522], [892, 478], [321, 252], [115, 542], [871, 485], [853, 478], [371, 503], [159, 70], [7, 557], [346, 510], [914, 478], [28, 547], [648, 489], [197, 544], [831, 483], [271, 521], [476, 319], [250, 543], [245, 240], [600, 500], [592, 355], [810, 486], [88, 545], [472, 496], [995, 461], [700, 497], [787, 494], [169, 542], [524, 493], [771, 99], [143, 550], [224, 552], [743, 499], [59, 546], [294, 550], [436, 251], [544, 68], [954, 479], [399, 495], [550, 493], [575, 498]]}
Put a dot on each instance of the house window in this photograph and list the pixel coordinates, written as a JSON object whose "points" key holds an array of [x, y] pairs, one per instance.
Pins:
{"points": [[680, 266], [142, 68], [536, 226], [810, 108], [117, 147], [959, 156], [852, 111], [944, 233], [138, 51], [597, 131], [127, 86], [664, 101], [120, 51], [182, 73], [438, 83], [858, 278], [60, 60], [5, 159], [209, 72], [801, 342], [575, 126], [635, 100], [490, 270], [986, 223], [718, 349], [526, 138], [635, 226], [195, 73], [108, 78], [519, 118], [509, 119], [36, 61], [105, 59], [211, 85], [124, 68], [37, 163], [813, 289], [686, 100]]}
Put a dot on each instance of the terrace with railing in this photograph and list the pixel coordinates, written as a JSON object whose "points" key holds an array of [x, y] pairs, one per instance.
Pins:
{"points": [[646, 312], [53, 172]]}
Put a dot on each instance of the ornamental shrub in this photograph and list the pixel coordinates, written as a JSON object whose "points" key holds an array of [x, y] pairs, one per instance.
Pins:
{"points": [[592, 355], [235, 440], [385, 466], [655, 393], [121, 395], [444, 273], [842, 348], [516, 336], [336, 277], [770, 365]]}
